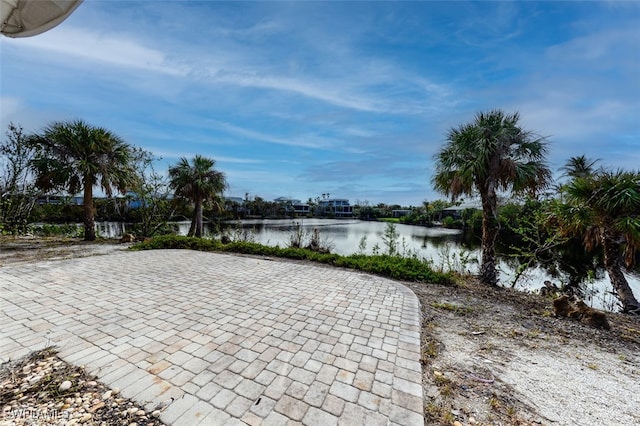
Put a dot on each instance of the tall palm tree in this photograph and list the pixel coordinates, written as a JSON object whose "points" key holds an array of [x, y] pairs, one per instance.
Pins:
{"points": [[488, 155], [199, 182], [75, 156], [604, 208]]}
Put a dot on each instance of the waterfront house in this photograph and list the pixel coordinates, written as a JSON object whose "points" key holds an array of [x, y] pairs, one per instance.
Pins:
{"points": [[335, 207]]}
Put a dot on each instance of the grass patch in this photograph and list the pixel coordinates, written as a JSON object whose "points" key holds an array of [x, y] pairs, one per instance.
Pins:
{"points": [[389, 219], [395, 267], [459, 310]]}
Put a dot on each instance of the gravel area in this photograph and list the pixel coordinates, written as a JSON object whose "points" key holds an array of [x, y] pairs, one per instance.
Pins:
{"points": [[41, 389]]}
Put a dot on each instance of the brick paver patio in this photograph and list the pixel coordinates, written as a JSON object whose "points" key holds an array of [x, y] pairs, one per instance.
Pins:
{"points": [[235, 340]]}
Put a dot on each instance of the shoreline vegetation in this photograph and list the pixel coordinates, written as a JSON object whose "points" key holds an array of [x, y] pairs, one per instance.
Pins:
{"points": [[389, 266]]}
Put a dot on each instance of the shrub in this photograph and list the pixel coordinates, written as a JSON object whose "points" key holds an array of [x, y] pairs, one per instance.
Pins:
{"points": [[449, 222], [66, 230], [178, 242]]}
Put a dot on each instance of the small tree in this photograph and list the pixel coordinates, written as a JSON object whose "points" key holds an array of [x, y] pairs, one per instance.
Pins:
{"points": [[18, 193], [149, 195], [390, 239]]}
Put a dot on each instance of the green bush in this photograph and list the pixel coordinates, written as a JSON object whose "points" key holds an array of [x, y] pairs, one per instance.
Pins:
{"points": [[395, 267], [178, 242], [57, 213], [51, 230], [449, 222]]}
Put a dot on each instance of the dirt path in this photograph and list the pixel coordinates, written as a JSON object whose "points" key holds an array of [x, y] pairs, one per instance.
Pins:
{"points": [[29, 249], [490, 356]]}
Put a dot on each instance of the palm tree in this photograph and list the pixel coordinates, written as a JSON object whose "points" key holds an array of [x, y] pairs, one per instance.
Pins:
{"points": [[488, 155], [579, 166], [75, 156], [199, 182], [604, 208]]}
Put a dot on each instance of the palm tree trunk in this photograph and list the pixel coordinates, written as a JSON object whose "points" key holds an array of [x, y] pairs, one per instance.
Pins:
{"points": [[198, 218], [192, 227], [488, 274], [89, 223], [612, 264]]}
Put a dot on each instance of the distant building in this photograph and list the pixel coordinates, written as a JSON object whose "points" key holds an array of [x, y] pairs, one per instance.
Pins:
{"points": [[456, 211], [301, 209], [61, 199], [400, 212], [286, 200], [335, 207], [291, 205]]}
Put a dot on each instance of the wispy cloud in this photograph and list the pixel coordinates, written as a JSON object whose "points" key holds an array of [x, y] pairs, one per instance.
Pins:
{"points": [[259, 136], [108, 49], [166, 154]]}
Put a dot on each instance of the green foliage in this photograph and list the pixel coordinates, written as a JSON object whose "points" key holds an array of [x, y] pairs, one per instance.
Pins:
{"points": [[434, 209], [449, 222], [367, 212], [390, 239], [395, 267], [602, 208], [390, 219], [51, 230], [474, 223], [179, 242], [453, 261], [57, 213], [401, 268], [493, 148]]}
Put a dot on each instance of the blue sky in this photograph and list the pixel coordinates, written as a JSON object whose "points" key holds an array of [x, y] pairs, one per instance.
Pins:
{"points": [[353, 99]]}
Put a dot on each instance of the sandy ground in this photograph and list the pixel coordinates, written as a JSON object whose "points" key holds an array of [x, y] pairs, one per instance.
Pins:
{"points": [[490, 356], [501, 357]]}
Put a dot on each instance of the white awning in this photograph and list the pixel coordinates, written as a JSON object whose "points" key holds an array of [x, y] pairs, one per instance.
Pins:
{"points": [[26, 18]]}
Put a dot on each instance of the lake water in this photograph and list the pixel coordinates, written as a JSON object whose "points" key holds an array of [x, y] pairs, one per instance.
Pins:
{"points": [[446, 248]]}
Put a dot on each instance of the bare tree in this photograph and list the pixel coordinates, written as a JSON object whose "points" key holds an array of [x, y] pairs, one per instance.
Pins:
{"points": [[17, 190]]}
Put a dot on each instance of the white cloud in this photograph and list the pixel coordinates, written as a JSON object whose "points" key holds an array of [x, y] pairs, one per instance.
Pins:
{"points": [[10, 105], [21, 113], [116, 50]]}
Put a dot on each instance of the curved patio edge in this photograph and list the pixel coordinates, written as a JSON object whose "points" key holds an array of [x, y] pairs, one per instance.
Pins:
{"points": [[234, 340]]}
